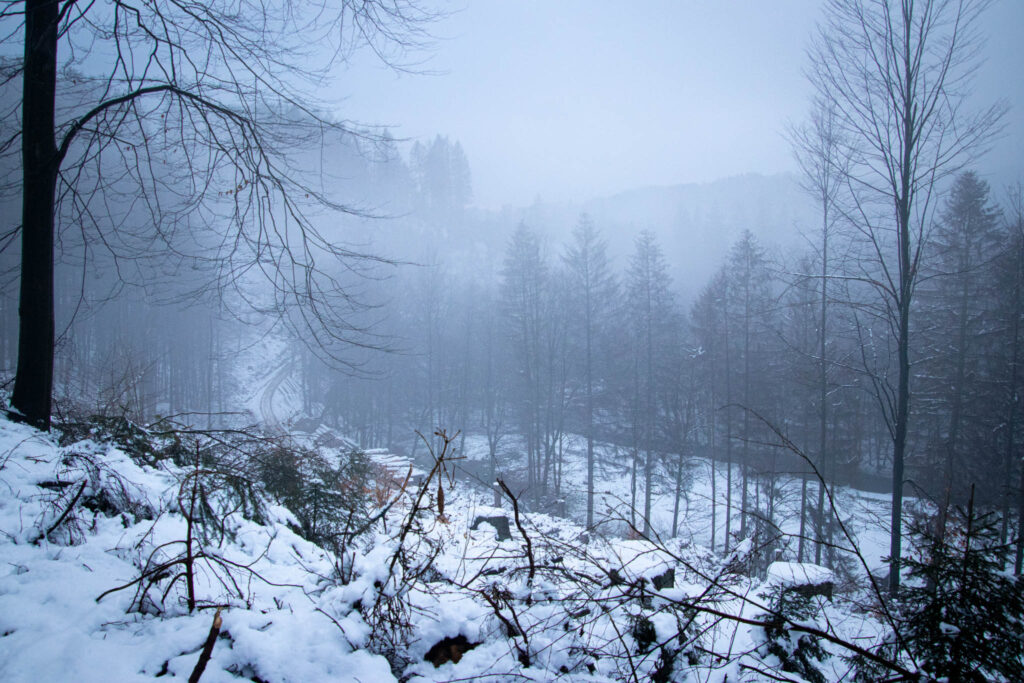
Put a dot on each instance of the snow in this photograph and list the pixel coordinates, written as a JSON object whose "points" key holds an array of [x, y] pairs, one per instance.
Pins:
{"points": [[798, 574], [865, 514], [54, 628], [291, 618]]}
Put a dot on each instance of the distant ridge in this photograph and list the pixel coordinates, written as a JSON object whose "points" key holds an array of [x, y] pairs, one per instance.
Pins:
{"points": [[696, 223]]}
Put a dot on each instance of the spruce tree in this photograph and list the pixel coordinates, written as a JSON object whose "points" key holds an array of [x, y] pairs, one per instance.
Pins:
{"points": [[960, 609]]}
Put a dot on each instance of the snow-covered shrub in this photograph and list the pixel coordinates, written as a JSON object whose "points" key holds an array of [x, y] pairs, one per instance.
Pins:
{"points": [[183, 558], [409, 567], [146, 445], [331, 500], [182, 548], [52, 628], [228, 460], [796, 652], [89, 480]]}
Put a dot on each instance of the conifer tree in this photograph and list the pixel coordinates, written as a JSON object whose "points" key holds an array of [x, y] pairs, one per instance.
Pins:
{"points": [[594, 291], [961, 611], [652, 318]]}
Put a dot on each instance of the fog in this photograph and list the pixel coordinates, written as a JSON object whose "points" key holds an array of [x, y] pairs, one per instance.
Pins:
{"points": [[572, 101], [740, 279], [373, 236]]}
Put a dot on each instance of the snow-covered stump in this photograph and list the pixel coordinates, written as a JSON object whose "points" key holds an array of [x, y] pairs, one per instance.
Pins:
{"points": [[801, 578], [499, 523]]}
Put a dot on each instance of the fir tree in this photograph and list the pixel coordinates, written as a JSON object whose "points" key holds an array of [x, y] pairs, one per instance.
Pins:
{"points": [[962, 611]]}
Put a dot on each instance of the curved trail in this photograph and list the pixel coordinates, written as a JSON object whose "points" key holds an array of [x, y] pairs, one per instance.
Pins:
{"points": [[267, 399], [397, 465]]}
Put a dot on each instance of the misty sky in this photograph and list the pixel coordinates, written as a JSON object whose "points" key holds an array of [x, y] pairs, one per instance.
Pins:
{"points": [[573, 99]]}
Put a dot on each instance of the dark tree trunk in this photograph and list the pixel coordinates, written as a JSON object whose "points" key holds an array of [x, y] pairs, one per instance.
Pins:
{"points": [[745, 466], [1011, 421], [1011, 403], [906, 280], [649, 410], [714, 456], [33, 383], [728, 428], [823, 537], [590, 411]]}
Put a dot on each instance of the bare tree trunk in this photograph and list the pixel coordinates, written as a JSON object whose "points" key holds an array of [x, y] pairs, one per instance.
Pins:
{"points": [[649, 416], [728, 439], [1013, 400], [1011, 417], [714, 455], [636, 439], [906, 277], [632, 485], [33, 384], [822, 383], [679, 486], [590, 411], [746, 402]]}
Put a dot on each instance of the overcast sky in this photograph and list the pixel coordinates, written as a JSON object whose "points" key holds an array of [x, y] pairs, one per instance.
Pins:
{"points": [[572, 99]]}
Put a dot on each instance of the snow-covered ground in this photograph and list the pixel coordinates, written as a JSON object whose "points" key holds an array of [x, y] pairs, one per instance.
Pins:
{"points": [[54, 627], [552, 601], [865, 514]]}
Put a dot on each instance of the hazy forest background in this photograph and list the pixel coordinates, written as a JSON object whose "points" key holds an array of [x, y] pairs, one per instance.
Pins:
{"points": [[228, 250]]}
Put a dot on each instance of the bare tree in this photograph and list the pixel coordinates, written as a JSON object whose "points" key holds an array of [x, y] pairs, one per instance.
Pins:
{"points": [[166, 150], [898, 75], [819, 151]]}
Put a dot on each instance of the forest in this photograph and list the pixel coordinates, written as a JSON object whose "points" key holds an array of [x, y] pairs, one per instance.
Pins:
{"points": [[267, 365]]}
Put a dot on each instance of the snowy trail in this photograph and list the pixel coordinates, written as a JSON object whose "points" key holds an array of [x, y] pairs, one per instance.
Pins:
{"points": [[397, 465], [267, 415]]}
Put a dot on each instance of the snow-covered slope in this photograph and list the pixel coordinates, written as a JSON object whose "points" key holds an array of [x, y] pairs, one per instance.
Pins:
{"points": [[54, 627], [701, 499], [92, 587]]}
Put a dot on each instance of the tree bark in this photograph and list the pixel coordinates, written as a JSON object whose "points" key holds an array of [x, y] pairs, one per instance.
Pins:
{"points": [[906, 278], [1011, 400], [590, 407], [823, 386], [1011, 420], [33, 382]]}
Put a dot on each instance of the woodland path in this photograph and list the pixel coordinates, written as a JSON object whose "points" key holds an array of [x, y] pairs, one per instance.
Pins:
{"points": [[267, 415]]}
